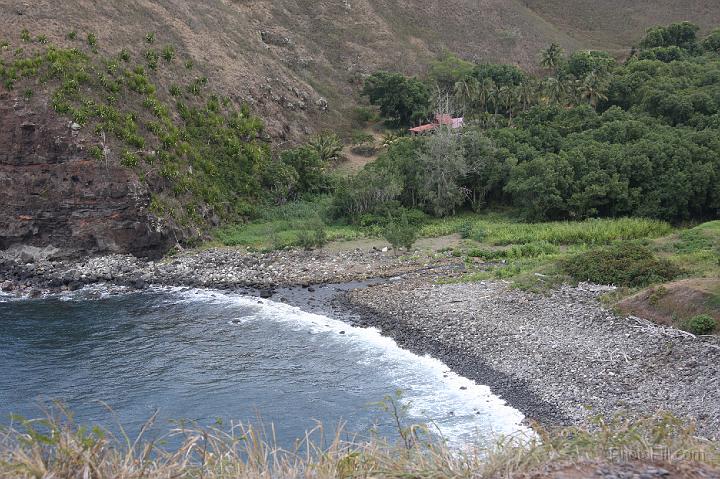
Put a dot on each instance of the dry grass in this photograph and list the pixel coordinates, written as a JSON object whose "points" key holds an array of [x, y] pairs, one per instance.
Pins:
{"points": [[55, 447], [331, 46]]}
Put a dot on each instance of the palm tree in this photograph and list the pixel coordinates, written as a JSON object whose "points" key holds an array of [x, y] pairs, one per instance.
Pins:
{"points": [[466, 93], [554, 90], [486, 93], [528, 93], [550, 58], [593, 89]]}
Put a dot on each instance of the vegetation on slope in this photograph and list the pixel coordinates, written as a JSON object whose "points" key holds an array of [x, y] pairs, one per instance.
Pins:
{"points": [[594, 138], [205, 159]]}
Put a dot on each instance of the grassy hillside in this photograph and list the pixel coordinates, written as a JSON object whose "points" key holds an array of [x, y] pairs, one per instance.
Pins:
{"points": [[284, 57], [615, 24]]}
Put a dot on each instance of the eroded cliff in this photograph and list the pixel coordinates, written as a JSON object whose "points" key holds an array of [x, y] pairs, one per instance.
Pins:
{"points": [[53, 193]]}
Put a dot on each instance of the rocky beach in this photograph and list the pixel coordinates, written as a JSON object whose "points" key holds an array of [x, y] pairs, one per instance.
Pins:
{"points": [[561, 358]]}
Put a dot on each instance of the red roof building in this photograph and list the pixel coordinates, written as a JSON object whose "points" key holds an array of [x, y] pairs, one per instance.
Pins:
{"points": [[438, 121]]}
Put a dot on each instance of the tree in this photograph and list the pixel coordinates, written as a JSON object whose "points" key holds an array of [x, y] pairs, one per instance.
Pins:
{"points": [[400, 233], [487, 168], [442, 168], [683, 35], [551, 57], [664, 54], [540, 187], [555, 91], [311, 169], [594, 89], [448, 70], [502, 75], [466, 93], [402, 100], [581, 63], [280, 180], [366, 192], [711, 43]]}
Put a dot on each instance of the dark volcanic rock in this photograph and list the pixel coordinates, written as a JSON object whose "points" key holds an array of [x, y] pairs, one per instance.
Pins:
{"points": [[54, 193]]}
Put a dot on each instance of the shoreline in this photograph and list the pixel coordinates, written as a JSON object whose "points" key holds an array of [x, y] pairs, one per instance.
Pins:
{"points": [[560, 359], [219, 268], [565, 348]]}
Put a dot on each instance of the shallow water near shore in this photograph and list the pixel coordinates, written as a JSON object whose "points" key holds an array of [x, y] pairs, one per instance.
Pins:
{"points": [[202, 355]]}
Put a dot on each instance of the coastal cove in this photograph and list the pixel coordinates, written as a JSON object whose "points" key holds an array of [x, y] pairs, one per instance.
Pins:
{"points": [[207, 357], [479, 330]]}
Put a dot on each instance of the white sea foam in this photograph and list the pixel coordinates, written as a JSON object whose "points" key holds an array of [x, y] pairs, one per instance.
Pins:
{"points": [[462, 409]]}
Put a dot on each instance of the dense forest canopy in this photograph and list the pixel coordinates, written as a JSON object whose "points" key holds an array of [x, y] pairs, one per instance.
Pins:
{"points": [[592, 137]]}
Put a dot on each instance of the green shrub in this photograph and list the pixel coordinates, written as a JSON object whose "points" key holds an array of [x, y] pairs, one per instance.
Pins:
{"points": [[96, 152], [309, 239], [384, 215], [701, 324], [532, 250], [152, 59], [129, 159], [168, 53], [361, 138], [25, 35], [486, 254], [465, 229], [124, 55], [92, 39], [401, 233], [624, 264], [196, 86], [364, 114], [150, 38], [328, 146]]}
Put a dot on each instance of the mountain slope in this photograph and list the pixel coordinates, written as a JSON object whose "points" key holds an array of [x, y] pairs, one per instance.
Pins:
{"points": [[298, 64], [288, 57]]}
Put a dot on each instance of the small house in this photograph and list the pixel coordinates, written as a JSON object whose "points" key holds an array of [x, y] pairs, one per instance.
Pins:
{"points": [[438, 121]]}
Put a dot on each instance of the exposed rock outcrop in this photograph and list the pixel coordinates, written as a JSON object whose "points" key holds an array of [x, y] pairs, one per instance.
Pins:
{"points": [[53, 192]]}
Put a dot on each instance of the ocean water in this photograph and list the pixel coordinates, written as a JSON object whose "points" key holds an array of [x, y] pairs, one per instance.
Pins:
{"points": [[204, 356]]}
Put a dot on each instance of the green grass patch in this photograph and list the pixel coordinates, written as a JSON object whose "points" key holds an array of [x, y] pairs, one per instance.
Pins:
{"points": [[591, 232], [696, 250], [290, 225], [501, 230]]}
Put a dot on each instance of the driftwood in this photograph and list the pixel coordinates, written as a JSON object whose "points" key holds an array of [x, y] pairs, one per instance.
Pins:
{"points": [[655, 329]]}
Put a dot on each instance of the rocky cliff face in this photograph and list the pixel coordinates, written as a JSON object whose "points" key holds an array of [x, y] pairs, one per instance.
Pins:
{"points": [[53, 193]]}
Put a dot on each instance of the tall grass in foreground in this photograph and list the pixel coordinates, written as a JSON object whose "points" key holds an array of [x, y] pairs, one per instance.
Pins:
{"points": [[56, 447]]}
